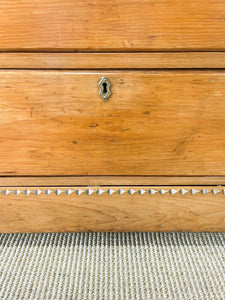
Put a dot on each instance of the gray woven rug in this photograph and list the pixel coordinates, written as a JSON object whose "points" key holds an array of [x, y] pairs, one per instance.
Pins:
{"points": [[112, 266]]}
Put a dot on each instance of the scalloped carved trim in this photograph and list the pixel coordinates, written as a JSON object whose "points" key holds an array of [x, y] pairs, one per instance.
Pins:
{"points": [[110, 191]]}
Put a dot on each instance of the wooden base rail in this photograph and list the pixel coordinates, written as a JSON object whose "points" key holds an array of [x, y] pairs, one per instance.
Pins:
{"points": [[112, 208]]}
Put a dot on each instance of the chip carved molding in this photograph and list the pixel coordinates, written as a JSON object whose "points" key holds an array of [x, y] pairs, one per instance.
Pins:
{"points": [[110, 191]]}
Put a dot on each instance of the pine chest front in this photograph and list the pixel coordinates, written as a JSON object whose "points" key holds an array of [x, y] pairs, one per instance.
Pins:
{"points": [[112, 115]]}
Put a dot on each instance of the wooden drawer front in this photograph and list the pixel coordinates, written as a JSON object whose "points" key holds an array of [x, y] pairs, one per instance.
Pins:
{"points": [[117, 25], [155, 123]]}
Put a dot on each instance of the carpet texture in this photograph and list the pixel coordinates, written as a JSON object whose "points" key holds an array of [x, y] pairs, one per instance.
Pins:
{"points": [[112, 266]]}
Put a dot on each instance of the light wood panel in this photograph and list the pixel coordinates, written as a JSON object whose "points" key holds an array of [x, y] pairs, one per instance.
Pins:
{"points": [[137, 60], [21, 181], [156, 123], [115, 25], [115, 209]]}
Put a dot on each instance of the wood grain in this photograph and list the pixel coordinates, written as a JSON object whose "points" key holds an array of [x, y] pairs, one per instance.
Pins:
{"points": [[156, 123], [43, 181], [59, 212], [137, 60], [118, 25]]}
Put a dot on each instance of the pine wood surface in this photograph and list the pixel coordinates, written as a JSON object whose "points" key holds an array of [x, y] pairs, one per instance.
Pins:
{"points": [[151, 158], [136, 60], [115, 25], [43, 181], [155, 123], [112, 208]]}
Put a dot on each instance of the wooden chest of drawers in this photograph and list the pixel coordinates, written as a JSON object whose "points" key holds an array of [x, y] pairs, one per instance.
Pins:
{"points": [[112, 115]]}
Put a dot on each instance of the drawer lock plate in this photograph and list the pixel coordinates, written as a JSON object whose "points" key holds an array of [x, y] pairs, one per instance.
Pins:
{"points": [[105, 88]]}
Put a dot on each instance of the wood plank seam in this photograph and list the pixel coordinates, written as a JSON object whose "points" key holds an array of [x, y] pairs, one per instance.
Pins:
{"points": [[78, 181]]}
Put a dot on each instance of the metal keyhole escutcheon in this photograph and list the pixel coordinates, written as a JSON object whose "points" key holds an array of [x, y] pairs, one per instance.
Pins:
{"points": [[105, 88]]}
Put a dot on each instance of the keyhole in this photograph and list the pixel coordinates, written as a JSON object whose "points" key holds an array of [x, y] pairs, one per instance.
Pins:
{"points": [[104, 87]]}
